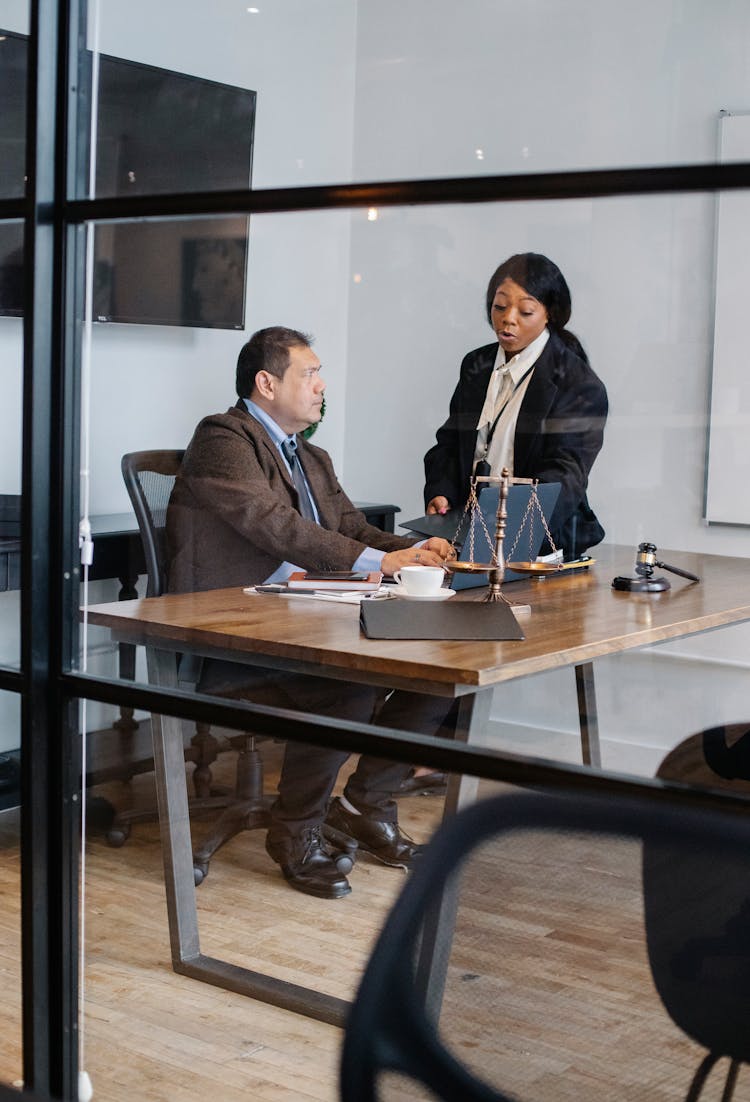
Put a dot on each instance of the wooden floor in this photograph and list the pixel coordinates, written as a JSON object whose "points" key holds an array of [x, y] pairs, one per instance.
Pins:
{"points": [[153, 1035], [549, 994]]}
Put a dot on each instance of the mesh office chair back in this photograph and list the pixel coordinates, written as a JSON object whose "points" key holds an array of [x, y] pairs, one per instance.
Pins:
{"points": [[149, 478]]}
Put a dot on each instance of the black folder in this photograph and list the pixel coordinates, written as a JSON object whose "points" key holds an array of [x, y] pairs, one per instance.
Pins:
{"points": [[402, 619]]}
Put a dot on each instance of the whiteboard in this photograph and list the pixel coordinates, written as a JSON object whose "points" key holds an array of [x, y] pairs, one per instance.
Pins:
{"points": [[728, 474]]}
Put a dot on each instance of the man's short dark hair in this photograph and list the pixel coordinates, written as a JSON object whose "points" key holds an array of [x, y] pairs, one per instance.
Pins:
{"points": [[267, 350]]}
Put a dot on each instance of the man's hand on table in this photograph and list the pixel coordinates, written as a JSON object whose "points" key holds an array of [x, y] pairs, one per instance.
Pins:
{"points": [[433, 552]]}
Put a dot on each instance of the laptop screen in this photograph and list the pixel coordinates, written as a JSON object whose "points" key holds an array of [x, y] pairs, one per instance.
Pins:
{"points": [[456, 526]]}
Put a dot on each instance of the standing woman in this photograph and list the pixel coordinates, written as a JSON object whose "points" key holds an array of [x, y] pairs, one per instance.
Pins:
{"points": [[530, 402]]}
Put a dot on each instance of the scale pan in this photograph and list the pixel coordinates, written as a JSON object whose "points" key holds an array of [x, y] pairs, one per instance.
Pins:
{"points": [[535, 567], [469, 567]]}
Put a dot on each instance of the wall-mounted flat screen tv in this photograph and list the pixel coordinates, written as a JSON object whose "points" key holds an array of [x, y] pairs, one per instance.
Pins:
{"points": [[158, 131]]}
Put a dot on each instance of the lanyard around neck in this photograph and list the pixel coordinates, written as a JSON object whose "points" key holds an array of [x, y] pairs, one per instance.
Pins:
{"points": [[501, 411]]}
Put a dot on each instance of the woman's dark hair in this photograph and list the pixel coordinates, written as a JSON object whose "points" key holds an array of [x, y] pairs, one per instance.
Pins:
{"points": [[543, 280], [267, 350]]}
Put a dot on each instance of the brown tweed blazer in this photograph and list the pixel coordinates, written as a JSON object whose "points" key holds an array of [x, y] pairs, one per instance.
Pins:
{"points": [[232, 517]]}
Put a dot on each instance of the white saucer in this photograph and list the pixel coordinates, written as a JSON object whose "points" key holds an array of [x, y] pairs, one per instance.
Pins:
{"points": [[441, 595]]}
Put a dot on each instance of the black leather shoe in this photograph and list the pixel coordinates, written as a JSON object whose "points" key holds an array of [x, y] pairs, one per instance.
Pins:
{"points": [[380, 839], [426, 784], [307, 864]]}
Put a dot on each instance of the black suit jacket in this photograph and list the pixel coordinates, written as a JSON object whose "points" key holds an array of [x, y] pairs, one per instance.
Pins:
{"points": [[559, 433]]}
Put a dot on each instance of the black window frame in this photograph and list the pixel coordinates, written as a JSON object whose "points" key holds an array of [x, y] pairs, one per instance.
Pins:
{"points": [[47, 684]]}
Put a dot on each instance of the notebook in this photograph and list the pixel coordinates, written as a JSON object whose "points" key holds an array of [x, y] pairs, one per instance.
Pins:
{"points": [[518, 499], [326, 580]]}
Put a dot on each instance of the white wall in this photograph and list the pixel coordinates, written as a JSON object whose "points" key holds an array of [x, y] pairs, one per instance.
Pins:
{"points": [[540, 87], [14, 16], [302, 67]]}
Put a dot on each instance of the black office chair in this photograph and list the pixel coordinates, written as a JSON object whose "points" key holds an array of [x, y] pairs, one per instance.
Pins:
{"points": [[717, 758], [697, 933], [149, 477]]}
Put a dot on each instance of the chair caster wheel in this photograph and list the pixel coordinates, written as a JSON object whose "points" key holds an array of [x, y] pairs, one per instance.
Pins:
{"points": [[200, 872], [118, 836]]}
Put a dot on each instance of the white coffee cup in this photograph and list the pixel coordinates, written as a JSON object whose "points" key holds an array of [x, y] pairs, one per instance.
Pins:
{"points": [[420, 581]]}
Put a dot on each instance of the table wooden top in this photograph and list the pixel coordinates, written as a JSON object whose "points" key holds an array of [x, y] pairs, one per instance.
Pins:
{"points": [[575, 617]]}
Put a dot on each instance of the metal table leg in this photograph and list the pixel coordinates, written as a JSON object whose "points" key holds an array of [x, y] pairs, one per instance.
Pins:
{"points": [[588, 717], [440, 920], [187, 959]]}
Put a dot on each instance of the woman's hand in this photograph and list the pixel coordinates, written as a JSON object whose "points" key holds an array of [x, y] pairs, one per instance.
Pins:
{"points": [[438, 505]]}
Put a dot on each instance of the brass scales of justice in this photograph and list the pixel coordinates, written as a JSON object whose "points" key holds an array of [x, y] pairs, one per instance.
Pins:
{"points": [[495, 569]]}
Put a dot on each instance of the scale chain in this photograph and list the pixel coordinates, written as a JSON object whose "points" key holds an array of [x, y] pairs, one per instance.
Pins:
{"points": [[472, 507], [475, 513], [533, 505]]}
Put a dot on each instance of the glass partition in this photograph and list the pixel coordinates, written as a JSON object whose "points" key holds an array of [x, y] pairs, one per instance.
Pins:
{"points": [[13, 87], [11, 354], [396, 298], [366, 92], [394, 304], [13, 83]]}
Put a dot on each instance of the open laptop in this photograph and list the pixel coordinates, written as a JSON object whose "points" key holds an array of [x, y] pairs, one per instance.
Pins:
{"points": [[518, 499]]}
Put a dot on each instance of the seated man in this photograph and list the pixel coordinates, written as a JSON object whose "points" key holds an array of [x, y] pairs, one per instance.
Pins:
{"points": [[254, 501]]}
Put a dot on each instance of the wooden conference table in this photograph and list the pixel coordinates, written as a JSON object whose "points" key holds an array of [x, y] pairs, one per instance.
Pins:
{"points": [[574, 619]]}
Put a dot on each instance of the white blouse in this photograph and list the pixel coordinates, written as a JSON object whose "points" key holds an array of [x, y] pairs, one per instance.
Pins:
{"points": [[505, 399]]}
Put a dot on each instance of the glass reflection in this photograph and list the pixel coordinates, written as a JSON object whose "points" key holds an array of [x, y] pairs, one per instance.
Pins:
{"points": [[406, 98], [178, 273], [11, 354], [13, 81], [389, 346]]}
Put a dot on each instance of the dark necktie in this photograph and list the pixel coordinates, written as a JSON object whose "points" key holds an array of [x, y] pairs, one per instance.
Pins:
{"points": [[289, 448]]}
